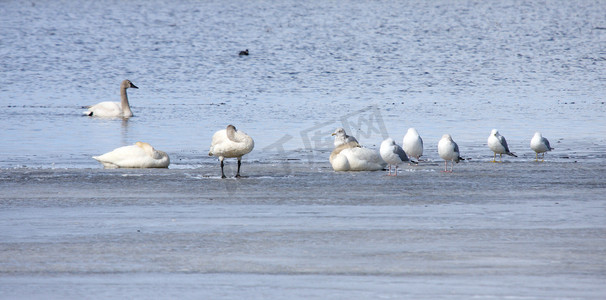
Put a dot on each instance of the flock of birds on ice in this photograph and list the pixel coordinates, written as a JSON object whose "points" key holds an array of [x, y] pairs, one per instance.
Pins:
{"points": [[348, 154]]}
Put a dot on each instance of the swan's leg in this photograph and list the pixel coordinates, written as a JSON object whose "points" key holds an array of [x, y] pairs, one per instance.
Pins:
{"points": [[239, 163], [222, 174]]}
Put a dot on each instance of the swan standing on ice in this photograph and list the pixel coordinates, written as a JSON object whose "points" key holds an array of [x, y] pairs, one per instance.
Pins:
{"points": [[392, 154], [540, 145], [413, 144], [449, 151], [498, 145], [342, 138], [110, 109], [139, 155], [230, 142], [352, 157]]}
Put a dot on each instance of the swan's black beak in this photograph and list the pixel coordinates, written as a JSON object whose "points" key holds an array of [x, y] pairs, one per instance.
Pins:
{"points": [[133, 86]]}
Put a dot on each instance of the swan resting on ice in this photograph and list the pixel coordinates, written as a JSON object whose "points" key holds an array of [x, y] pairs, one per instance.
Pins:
{"points": [[230, 142], [352, 157], [110, 109], [139, 155]]}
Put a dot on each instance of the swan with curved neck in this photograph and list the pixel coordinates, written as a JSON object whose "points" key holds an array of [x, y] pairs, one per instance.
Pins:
{"points": [[110, 109], [230, 142], [139, 155]]}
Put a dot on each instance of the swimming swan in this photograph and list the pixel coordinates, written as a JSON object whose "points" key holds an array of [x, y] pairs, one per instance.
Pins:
{"points": [[110, 109], [139, 155], [230, 142], [352, 157]]}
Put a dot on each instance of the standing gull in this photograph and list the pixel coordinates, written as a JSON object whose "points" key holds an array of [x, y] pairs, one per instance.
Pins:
{"points": [[449, 151], [230, 142], [392, 154], [540, 145], [498, 145], [110, 109], [342, 138], [413, 144]]}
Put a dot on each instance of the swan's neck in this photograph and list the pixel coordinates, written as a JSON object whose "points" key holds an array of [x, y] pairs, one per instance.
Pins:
{"points": [[126, 112], [231, 134]]}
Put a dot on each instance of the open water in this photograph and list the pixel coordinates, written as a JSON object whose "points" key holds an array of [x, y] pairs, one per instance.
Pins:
{"points": [[293, 228]]}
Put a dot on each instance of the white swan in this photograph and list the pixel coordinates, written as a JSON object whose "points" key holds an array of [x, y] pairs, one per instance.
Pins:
{"points": [[139, 155], [342, 138], [230, 142], [392, 154], [539, 144], [110, 109], [412, 143], [449, 151], [352, 157], [498, 145]]}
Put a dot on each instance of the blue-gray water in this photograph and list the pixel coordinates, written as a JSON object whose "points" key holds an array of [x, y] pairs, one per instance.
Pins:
{"points": [[294, 227]]}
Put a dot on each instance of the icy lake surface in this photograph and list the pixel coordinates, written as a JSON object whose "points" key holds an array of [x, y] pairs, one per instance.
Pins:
{"points": [[293, 228]]}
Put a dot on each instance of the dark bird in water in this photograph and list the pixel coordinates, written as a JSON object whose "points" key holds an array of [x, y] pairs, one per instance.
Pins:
{"points": [[245, 52]]}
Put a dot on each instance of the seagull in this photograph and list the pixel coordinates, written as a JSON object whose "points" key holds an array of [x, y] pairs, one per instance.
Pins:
{"points": [[413, 144], [449, 151], [230, 142], [392, 154], [540, 145], [342, 138], [498, 145]]}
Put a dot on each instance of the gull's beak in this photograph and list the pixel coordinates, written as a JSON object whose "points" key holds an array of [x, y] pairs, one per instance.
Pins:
{"points": [[333, 133]]}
